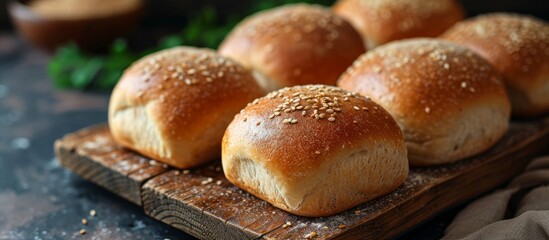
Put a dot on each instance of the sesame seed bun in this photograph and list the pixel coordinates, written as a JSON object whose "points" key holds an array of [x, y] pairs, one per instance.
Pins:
{"points": [[294, 45], [174, 105], [517, 46], [314, 150], [449, 102], [382, 21]]}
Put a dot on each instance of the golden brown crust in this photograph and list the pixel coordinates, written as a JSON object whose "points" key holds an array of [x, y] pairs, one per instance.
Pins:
{"points": [[382, 21], [426, 84], [303, 142], [294, 45], [517, 46], [185, 92], [423, 78], [313, 138]]}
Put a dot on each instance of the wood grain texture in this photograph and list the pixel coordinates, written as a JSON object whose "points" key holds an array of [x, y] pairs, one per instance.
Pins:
{"points": [[203, 203], [92, 154]]}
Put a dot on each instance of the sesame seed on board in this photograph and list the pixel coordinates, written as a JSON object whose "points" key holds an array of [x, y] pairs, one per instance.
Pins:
{"points": [[311, 235], [287, 224]]}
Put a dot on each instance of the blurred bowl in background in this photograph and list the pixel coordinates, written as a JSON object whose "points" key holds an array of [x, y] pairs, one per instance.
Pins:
{"points": [[91, 24]]}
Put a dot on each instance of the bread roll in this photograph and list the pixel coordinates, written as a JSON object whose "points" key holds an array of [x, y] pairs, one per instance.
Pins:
{"points": [[314, 150], [294, 45], [174, 105], [517, 46], [449, 102], [382, 21]]}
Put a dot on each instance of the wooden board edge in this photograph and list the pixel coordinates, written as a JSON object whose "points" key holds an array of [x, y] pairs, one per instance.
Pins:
{"points": [[125, 185], [149, 195], [99, 174], [70, 158]]}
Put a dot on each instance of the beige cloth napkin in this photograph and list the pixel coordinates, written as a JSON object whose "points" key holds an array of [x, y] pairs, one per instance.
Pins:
{"points": [[520, 211]]}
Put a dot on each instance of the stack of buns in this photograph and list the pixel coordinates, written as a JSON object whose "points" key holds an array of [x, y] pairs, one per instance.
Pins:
{"points": [[316, 150]]}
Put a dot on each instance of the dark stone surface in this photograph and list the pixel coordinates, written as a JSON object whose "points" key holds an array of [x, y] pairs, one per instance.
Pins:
{"points": [[38, 198], [41, 200]]}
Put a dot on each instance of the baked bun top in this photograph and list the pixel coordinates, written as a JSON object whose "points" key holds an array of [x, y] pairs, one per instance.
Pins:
{"points": [[516, 45], [422, 81], [382, 21], [294, 45], [186, 79], [295, 130], [189, 88]]}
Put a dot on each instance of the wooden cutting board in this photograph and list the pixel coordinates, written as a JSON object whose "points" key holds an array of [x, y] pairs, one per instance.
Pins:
{"points": [[203, 203]]}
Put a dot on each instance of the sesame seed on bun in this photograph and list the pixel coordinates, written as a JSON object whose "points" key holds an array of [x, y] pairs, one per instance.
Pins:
{"points": [[449, 102], [314, 150], [174, 105], [518, 47]]}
